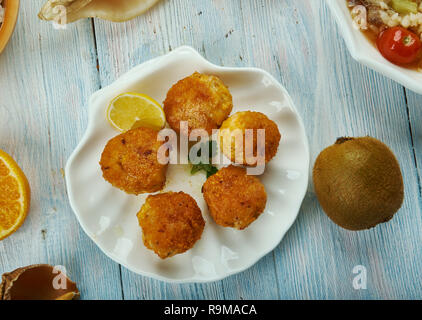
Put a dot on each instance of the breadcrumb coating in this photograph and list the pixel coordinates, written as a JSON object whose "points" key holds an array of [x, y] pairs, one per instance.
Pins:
{"points": [[171, 223], [248, 120], [204, 101], [129, 162], [234, 199]]}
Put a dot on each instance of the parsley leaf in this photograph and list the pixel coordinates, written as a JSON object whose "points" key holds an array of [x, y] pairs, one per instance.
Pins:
{"points": [[211, 171], [207, 167]]}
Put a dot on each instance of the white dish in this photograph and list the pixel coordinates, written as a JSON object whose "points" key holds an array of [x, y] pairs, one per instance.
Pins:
{"points": [[363, 51], [108, 215]]}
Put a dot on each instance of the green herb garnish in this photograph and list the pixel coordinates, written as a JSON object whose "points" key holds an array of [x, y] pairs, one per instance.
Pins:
{"points": [[207, 167], [404, 6]]}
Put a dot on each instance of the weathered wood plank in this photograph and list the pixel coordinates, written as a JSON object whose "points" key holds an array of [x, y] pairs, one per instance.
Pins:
{"points": [[414, 102], [298, 42], [338, 97], [46, 78]]}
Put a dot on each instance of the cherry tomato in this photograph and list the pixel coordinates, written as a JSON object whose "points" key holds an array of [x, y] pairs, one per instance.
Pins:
{"points": [[399, 45]]}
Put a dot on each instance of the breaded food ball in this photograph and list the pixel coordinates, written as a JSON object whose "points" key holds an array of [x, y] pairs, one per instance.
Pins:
{"points": [[234, 199], [202, 100], [129, 162], [171, 223], [238, 123]]}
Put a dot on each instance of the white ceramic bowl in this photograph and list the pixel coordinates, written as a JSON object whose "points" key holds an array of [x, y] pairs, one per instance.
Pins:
{"points": [[108, 215], [366, 53]]}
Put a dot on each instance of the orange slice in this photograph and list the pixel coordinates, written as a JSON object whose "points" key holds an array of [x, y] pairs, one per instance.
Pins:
{"points": [[14, 196]]}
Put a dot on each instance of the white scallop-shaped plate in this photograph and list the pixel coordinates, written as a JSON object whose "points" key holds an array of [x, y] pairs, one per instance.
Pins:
{"points": [[108, 215], [363, 51]]}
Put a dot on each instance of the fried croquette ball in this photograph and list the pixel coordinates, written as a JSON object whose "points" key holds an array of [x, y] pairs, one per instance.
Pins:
{"points": [[130, 162], [234, 198], [202, 100], [171, 223], [237, 124]]}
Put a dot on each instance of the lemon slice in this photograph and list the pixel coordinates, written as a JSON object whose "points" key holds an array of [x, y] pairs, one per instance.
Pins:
{"points": [[132, 110], [14, 196]]}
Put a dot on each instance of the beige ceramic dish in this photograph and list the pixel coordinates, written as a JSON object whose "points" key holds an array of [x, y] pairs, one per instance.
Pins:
{"points": [[10, 17]]}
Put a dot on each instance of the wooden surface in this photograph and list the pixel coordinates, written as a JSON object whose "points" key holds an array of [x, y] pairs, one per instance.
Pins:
{"points": [[47, 76]]}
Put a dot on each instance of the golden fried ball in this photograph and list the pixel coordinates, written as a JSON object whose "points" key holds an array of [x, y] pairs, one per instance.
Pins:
{"points": [[171, 223], [241, 121], [129, 162], [202, 100], [234, 199]]}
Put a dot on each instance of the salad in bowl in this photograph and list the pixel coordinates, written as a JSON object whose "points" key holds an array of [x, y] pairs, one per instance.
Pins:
{"points": [[385, 35]]}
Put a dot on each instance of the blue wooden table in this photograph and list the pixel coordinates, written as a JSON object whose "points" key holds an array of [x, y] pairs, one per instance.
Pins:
{"points": [[47, 76]]}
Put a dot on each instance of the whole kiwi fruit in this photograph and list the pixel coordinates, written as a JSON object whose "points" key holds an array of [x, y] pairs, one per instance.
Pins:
{"points": [[358, 182]]}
